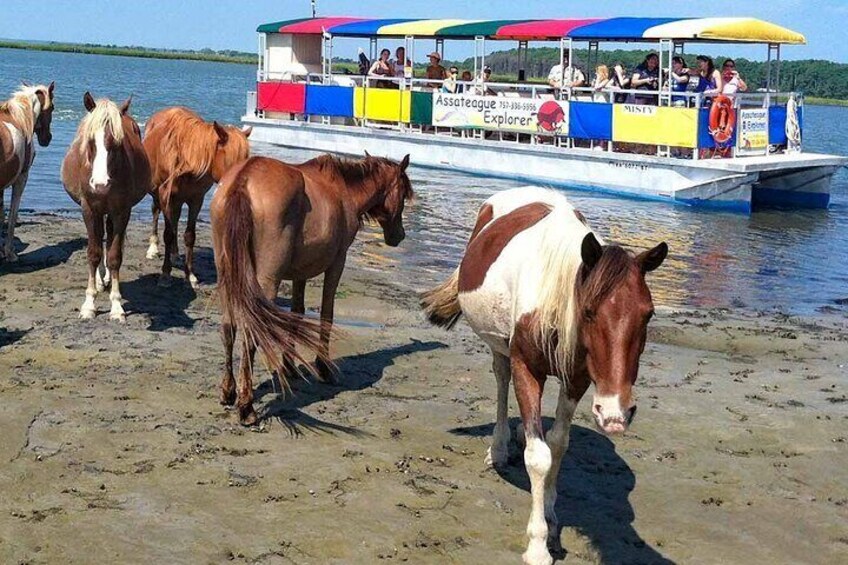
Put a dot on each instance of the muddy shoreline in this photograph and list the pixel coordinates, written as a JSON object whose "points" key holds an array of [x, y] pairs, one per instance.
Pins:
{"points": [[114, 448]]}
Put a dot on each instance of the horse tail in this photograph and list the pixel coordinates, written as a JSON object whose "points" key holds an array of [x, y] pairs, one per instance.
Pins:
{"points": [[274, 332], [441, 304]]}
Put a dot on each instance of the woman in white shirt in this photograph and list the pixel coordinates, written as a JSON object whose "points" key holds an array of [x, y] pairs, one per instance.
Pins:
{"points": [[733, 83]]}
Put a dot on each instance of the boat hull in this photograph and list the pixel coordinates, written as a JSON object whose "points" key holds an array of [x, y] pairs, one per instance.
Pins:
{"points": [[739, 184]]}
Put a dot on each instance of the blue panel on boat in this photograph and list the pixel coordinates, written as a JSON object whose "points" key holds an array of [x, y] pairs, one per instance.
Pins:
{"points": [[705, 140], [590, 120], [365, 28], [777, 125], [619, 28], [329, 101]]}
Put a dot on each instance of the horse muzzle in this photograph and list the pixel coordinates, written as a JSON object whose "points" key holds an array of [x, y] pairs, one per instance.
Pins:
{"points": [[609, 415]]}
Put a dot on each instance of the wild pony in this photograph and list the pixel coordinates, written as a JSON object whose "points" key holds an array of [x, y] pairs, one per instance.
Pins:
{"points": [[28, 113], [106, 172], [550, 298], [272, 221], [187, 156]]}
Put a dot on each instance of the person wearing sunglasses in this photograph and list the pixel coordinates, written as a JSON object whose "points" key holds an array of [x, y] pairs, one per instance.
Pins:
{"points": [[450, 85], [733, 83]]}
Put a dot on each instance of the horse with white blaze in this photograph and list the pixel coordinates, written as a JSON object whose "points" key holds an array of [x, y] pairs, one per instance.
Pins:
{"points": [[549, 297]]}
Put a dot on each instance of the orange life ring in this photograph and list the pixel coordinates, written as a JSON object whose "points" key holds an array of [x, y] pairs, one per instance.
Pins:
{"points": [[722, 119]]}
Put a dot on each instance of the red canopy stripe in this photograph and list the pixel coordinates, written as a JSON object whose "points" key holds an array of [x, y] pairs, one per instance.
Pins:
{"points": [[315, 26], [542, 29]]}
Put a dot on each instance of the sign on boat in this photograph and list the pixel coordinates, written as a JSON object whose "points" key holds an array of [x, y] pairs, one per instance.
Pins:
{"points": [[574, 137]]}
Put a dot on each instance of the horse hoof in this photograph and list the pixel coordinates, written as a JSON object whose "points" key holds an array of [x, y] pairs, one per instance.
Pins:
{"points": [[118, 317], [192, 280], [496, 458], [227, 398], [87, 314], [537, 554], [164, 281], [247, 417], [153, 252]]}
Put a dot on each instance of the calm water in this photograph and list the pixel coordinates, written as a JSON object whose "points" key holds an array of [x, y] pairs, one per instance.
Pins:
{"points": [[794, 261]]}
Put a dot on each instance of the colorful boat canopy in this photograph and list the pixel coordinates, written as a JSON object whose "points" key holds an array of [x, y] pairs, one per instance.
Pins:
{"points": [[740, 30]]}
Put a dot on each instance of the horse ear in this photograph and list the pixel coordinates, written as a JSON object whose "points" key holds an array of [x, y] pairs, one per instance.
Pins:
{"points": [[247, 130], [223, 136], [367, 155], [51, 87], [591, 251], [404, 163], [88, 101], [651, 260], [126, 106], [25, 83]]}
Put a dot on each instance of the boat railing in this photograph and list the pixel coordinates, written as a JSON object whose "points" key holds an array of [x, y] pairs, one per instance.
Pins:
{"points": [[661, 122]]}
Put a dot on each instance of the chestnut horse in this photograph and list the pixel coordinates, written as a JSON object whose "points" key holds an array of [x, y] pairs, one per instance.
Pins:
{"points": [[272, 221], [187, 156], [550, 298], [106, 172], [27, 113]]}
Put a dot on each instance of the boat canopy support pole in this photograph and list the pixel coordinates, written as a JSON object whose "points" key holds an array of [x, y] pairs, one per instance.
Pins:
{"points": [[261, 61], [479, 52], [440, 48], [565, 43], [592, 59], [667, 48], [523, 53], [777, 80], [773, 50], [409, 50], [372, 55]]}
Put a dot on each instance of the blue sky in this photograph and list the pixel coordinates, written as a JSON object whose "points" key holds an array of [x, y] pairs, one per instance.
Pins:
{"points": [[230, 24]]}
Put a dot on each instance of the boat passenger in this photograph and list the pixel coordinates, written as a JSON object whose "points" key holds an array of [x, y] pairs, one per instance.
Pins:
{"points": [[679, 80], [435, 71], [364, 63], [571, 77], [383, 67], [647, 78], [600, 85], [620, 81], [467, 81], [450, 85], [733, 83], [709, 74], [400, 62]]}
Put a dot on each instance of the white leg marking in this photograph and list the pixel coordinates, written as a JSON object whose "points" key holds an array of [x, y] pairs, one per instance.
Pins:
{"points": [[153, 249], [88, 310], [100, 166], [117, 312], [537, 459], [557, 440], [499, 451], [195, 284]]}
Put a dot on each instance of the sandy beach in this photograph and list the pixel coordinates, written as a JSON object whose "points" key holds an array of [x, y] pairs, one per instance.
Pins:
{"points": [[115, 450]]}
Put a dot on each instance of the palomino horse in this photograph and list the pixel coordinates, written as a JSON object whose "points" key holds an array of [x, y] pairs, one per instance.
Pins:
{"points": [[549, 298], [187, 156], [106, 172], [272, 221], [28, 112]]}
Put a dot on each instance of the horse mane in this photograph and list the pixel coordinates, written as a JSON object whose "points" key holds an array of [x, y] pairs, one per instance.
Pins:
{"points": [[105, 113], [188, 145], [355, 172], [567, 288], [21, 109]]}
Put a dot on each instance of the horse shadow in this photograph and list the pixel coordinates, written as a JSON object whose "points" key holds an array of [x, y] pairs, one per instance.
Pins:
{"points": [[44, 257], [166, 307], [593, 488], [9, 337], [355, 372]]}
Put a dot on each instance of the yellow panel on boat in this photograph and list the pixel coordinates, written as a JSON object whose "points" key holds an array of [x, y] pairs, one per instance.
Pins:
{"points": [[358, 102], [725, 29], [421, 28], [385, 104], [652, 125]]}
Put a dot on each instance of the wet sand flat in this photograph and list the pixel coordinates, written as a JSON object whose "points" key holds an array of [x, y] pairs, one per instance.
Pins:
{"points": [[115, 450]]}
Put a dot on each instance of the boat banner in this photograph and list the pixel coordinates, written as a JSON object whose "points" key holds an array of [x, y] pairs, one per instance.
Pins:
{"points": [[753, 131], [655, 125], [546, 117]]}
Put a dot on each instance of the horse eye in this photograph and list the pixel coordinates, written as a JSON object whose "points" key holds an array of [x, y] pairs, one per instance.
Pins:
{"points": [[589, 314]]}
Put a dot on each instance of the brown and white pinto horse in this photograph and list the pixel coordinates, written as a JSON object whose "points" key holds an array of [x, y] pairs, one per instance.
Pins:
{"points": [[272, 221], [187, 156], [106, 172], [549, 298], [27, 113]]}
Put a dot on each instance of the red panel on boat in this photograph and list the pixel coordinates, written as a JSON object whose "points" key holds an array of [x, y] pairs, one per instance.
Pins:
{"points": [[317, 25], [281, 97], [542, 29]]}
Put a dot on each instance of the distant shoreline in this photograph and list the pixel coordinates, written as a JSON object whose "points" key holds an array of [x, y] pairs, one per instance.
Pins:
{"points": [[142, 52]]}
